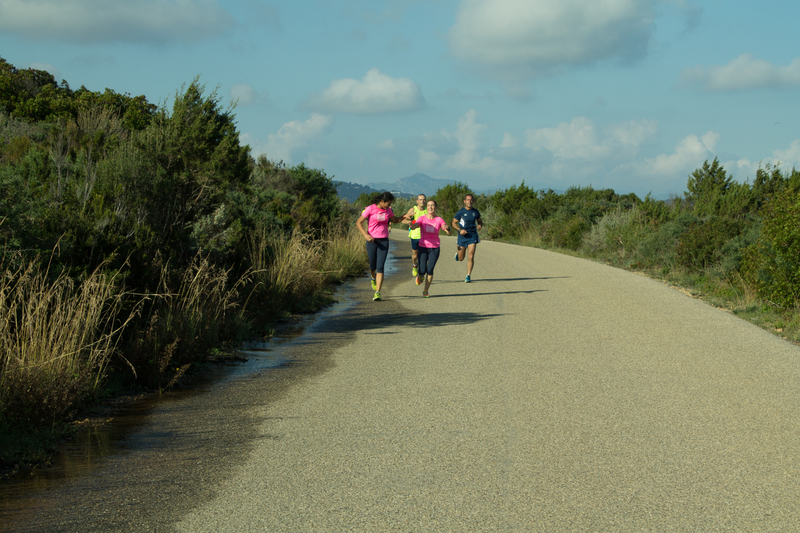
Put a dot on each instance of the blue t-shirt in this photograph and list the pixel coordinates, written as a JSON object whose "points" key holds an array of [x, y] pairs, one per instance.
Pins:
{"points": [[468, 220]]}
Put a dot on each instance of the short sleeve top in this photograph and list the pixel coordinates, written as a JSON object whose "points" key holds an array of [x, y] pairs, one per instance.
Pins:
{"points": [[468, 220], [377, 221], [429, 231]]}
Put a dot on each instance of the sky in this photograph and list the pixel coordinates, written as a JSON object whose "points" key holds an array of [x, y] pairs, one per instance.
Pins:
{"points": [[631, 95]]}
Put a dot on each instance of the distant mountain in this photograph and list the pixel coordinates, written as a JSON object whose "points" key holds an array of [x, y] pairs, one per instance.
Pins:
{"points": [[351, 191], [413, 185], [409, 187]]}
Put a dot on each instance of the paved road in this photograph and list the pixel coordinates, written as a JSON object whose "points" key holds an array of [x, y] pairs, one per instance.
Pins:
{"points": [[550, 394]]}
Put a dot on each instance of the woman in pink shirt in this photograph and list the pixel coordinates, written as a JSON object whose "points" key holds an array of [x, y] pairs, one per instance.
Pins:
{"points": [[429, 226], [378, 215]]}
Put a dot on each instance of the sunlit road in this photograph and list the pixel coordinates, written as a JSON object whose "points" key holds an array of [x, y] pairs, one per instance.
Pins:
{"points": [[550, 394]]}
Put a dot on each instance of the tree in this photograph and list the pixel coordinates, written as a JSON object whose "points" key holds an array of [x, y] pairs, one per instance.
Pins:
{"points": [[450, 199], [317, 200], [707, 185], [513, 199]]}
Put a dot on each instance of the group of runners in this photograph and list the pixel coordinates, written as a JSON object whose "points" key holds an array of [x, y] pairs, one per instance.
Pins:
{"points": [[424, 226]]}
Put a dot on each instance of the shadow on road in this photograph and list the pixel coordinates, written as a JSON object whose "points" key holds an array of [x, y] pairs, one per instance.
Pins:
{"points": [[485, 280], [472, 294], [380, 320]]}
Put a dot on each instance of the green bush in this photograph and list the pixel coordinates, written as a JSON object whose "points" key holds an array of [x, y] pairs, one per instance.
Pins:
{"points": [[702, 244], [566, 232], [617, 232], [450, 199], [658, 245], [772, 264]]}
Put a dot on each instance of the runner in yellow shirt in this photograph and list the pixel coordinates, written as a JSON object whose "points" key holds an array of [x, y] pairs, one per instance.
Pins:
{"points": [[414, 213]]}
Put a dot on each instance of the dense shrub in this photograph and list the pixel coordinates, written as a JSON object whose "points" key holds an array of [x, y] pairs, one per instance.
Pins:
{"points": [[450, 199], [772, 264], [702, 244], [617, 232], [565, 232], [658, 244]]}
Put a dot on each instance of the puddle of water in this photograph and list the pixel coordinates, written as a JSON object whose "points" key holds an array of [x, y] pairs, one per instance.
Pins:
{"points": [[94, 446]]}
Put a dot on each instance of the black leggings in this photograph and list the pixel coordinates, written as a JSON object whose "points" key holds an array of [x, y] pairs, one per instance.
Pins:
{"points": [[377, 250], [427, 260]]}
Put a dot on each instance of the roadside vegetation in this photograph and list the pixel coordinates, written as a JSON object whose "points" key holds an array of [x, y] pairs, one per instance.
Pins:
{"points": [[734, 245], [137, 242]]}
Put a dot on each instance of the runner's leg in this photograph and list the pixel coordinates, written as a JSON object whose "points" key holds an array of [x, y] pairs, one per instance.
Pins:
{"points": [[433, 257], [471, 259], [382, 252]]}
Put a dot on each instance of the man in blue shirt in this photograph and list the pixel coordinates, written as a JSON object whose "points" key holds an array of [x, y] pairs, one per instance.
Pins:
{"points": [[468, 222]]}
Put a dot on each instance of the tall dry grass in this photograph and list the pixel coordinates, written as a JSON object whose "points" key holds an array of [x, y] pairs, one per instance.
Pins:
{"points": [[181, 324], [531, 235], [288, 269], [57, 337], [345, 254]]}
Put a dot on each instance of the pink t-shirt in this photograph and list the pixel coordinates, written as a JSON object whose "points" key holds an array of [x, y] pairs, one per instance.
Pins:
{"points": [[429, 231], [377, 221]]}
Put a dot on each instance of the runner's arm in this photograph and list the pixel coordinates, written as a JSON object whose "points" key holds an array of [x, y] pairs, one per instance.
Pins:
{"points": [[456, 225], [360, 226]]}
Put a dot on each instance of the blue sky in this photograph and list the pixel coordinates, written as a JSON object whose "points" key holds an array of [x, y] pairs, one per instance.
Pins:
{"points": [[631, 95]]}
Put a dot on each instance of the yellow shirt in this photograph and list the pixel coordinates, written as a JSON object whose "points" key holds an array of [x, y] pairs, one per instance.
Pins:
{"points": [[415, 233]]}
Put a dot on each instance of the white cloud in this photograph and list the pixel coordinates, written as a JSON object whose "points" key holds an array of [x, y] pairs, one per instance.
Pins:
{"points": [[243, 94], [468, 157], [580, 139], [688, 155], [785, 159], [744, 72], [426, 159], [293, 136], [520, 39], [386, 145], [375, 93], [631, 134], [790, 156], [104, 21], [509, 141]]}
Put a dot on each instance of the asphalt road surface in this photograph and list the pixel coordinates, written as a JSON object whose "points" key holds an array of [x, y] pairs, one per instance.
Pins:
{"points": [[550, 394]]}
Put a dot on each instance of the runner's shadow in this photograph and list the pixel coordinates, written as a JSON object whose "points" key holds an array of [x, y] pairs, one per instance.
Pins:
{"points": [[352, 324], [488, 293], [483, 280]]}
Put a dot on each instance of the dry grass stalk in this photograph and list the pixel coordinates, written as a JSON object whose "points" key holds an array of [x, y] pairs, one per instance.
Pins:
{"points": [[185, 322], [56, 338]]}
